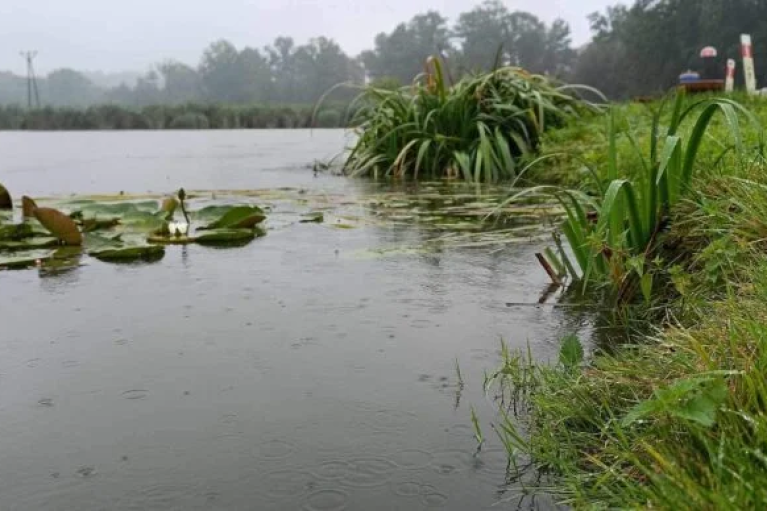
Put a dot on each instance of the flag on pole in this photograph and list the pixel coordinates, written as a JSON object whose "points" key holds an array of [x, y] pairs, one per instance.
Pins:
{"points": [[729, 83], [747, 50]]}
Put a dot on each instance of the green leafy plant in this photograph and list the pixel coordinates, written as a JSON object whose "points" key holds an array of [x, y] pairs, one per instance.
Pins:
{"points": [[614, 232], [477, 129]]}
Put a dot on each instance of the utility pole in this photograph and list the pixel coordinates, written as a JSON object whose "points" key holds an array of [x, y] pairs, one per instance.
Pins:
{"points": [[29, 57]]}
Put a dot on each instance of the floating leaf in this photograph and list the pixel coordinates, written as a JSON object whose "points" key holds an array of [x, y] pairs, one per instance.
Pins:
{"points": [[238, 217], [60, 225], [5, 198], [21, 262], [95, 224], [227, 236], [97, 241], [316, 218], [15, 232], [29, 244], [28, 207], [130, 253], [164, 239]]}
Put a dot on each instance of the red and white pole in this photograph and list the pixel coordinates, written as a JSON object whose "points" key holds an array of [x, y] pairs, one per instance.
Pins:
{"points": [[729, 82], [747, 50]]}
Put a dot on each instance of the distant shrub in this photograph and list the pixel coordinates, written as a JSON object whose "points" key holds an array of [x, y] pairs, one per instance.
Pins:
{"points": [[328, 119], [190, 121]]}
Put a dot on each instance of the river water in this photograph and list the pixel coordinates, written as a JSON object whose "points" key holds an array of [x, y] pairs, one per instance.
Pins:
{"points": [[298, 372]]}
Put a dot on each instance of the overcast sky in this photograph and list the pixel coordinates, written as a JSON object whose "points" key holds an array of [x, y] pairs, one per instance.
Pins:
{"points": [[119, 35]]}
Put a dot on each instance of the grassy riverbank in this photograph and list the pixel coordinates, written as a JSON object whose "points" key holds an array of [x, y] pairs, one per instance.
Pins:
{"points": [[676, 419], [186, 116]]}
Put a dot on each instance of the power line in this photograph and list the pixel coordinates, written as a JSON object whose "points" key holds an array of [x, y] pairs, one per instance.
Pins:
{"points": [[29, 57]]}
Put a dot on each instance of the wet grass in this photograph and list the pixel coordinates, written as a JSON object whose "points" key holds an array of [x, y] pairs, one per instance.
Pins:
{"points": [[674, 419]]}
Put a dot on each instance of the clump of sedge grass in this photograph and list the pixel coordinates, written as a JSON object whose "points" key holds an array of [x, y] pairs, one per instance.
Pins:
{"points": [[477, 129]]}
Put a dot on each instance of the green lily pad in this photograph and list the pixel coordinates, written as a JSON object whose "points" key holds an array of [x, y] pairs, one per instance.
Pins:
{"points": [[96, 224], [129, 253], [235, 217], [29, 244], [27, 260], [145, 222], [228, 236], [96, 242], [15, 232], [118, 209], [161, 239], [316, 217]]}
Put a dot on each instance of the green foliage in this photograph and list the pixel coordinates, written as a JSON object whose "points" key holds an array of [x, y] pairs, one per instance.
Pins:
{"points": [[571, 353], [615, 232], [328, 118], [641, 48], [170, 116], [675, 420], [237, 217], [478, 129], [190, 121]]}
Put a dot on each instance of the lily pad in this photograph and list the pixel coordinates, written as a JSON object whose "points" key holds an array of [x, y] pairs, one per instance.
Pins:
{"points": [[235, 217], [228, 236], [27, 260], [5, 198], [170, 240], [28, 207], [129, 253], [29, 244], [15, 232], [60, 225], [316, 217], [96, 242], [96, 224], [118, 209]]}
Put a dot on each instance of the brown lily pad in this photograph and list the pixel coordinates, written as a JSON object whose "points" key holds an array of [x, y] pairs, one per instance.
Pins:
{"points": [[28, 206], [60, 225]]}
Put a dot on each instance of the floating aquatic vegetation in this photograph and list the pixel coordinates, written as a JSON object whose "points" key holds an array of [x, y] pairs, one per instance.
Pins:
{"points": [[129, 253], [119, 228], [315, 217], [28, 207], [60, 225], [237, 217], [5, 198]]}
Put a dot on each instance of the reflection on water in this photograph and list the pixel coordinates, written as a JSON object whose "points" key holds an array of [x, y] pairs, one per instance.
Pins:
{"points": [[312, 369]]}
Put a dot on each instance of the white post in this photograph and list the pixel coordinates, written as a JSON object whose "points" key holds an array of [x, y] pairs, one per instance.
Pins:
{"points": [[729, 83], [747, 50]]}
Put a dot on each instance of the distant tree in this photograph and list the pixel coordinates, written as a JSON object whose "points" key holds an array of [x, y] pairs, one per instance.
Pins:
{"points": [[222, 73], [402, 53], [181, 83], [642, 49], [256, 81], [492, 35], [67, 87]]}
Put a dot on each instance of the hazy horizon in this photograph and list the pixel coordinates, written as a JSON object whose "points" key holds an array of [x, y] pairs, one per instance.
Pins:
{"points": [[115, 37]]}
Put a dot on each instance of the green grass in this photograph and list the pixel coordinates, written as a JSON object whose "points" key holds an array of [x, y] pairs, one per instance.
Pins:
{"points": [[481, 129], [614, 226], [676, 419]]}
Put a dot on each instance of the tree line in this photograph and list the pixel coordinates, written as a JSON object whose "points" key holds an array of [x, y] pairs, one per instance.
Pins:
{"points": [[636, 50]]}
